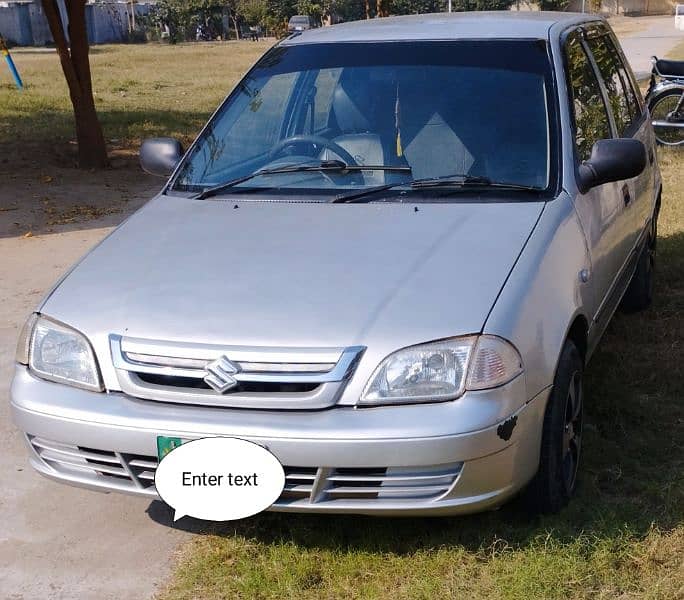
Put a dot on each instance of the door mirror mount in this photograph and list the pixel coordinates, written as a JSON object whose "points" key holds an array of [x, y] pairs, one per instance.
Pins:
{"points": [[159, 156], [611, 160]]}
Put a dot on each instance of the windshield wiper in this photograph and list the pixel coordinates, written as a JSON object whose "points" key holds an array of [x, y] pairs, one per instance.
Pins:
{"points": [[336, 166], [450, 182], [459, 181]]}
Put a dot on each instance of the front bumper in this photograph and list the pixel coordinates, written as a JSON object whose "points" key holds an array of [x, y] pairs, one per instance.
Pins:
{"points": [[387, 460]]}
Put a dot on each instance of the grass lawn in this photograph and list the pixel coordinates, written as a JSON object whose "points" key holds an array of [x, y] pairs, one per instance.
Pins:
{"points": [[623, 535], [140, 91]]}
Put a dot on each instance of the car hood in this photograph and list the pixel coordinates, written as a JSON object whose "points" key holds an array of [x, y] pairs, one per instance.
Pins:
{"points": [[296, 274]]}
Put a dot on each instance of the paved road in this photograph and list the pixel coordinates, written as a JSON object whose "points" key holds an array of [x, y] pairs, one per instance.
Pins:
{"points": [[658, 38], [57, 541], [60, 542]]}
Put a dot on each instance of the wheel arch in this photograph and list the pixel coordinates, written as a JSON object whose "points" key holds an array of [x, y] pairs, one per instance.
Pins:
{"points": [[578, 333]]}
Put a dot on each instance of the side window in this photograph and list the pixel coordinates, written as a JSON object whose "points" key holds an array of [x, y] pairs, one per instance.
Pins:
{"points": [[621, 96], [634, 96], [591, 118]]}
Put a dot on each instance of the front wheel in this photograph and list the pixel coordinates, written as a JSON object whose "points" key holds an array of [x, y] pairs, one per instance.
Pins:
{"points": [[556, 479], [668, 121]]}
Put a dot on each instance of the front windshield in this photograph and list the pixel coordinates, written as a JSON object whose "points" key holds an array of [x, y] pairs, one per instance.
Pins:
{"points": [[437, 109]]}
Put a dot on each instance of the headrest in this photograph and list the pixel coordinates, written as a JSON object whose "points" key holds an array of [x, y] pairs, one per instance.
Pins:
{"points": [[350, 112], [364, 99]]}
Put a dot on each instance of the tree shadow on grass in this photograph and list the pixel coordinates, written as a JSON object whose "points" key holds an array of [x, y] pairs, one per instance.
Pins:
{"points": [[631, 469], [46, 135], [41, 189]]}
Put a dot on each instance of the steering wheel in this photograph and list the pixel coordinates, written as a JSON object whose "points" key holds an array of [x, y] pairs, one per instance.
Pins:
{"points": [[313, 140]]}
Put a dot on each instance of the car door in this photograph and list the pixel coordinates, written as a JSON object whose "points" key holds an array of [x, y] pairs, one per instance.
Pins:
{"points": [[602, 211], [630, 121]]}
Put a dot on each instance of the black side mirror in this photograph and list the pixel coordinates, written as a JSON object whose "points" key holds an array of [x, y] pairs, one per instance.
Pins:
{"points": [[612, 160], [159, 156]]}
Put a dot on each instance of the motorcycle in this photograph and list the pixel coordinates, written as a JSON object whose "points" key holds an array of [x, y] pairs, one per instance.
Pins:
{"points": [[665, 99]]}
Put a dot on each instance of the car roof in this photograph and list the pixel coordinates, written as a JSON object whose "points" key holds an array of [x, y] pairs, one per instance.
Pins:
{"points": [[444, 26]]}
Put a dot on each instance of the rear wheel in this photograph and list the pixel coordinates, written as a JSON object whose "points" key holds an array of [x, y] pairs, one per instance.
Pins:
{"points": [[556, 479], [662, 108]]}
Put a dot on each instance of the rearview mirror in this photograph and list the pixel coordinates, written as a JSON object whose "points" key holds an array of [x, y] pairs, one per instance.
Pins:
{"points": [[159, 156], [612, 160]]}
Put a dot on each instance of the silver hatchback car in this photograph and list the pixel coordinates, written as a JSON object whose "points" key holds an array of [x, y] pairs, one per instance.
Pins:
{"points": [[387, 258]]}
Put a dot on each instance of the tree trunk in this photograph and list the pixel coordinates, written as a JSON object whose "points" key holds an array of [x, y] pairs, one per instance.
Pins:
{"points": [[73, 55], [382, 8], [367, 9]]}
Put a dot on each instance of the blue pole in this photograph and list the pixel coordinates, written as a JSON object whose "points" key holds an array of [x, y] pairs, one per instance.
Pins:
{"points": [[11, 65]]}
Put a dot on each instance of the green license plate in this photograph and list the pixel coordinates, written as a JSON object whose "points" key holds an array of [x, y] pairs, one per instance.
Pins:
{"points": [[166, 444]]}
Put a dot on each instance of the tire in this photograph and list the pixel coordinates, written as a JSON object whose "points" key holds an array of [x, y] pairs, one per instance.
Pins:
{"points": [[659, 107], [639, 293], [556, 480]]}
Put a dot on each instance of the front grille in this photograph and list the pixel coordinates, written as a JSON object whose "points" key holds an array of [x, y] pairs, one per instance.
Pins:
{"points": [[299, 483], [303, 485], [127, 469], [268, 378], [249, 387], [392, 483]]}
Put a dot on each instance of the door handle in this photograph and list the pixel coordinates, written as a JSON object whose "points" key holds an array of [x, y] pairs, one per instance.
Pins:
{"points": [[626, 196]]}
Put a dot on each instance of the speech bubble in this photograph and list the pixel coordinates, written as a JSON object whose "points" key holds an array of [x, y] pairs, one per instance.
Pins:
{"points": [[219, 479]]}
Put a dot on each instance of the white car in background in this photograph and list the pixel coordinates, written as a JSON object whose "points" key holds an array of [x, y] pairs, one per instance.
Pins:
{"points": [[679, 17]]}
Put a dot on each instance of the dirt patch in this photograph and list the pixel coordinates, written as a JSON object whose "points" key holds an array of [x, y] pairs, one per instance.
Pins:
{"points": [[625, 26], [42, 192]]}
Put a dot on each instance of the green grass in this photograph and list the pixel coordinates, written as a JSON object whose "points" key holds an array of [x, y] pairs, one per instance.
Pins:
{"points": [[140, 91], [435, 565], [621, 537]]}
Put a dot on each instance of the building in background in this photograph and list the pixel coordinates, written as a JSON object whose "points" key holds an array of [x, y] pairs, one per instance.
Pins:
{"points": [[625, 7], [23, 23]]}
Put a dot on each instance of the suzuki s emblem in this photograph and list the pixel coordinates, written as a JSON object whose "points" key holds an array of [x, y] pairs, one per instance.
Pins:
{"points": [[220, 375]]}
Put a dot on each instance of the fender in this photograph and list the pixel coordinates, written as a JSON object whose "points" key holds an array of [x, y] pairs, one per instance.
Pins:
{"points": [[663, 86], [545, 293]]}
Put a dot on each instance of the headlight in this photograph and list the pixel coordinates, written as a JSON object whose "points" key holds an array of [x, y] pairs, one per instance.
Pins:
{"points": [[58, 353], [441, 371]]}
